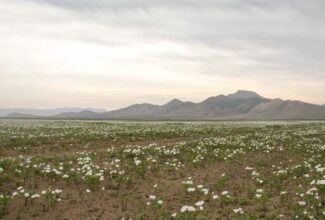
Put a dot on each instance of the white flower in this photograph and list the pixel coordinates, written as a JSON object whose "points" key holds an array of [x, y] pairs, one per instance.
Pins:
{"points": [[215, 197], [58, 191], [190, 189], [173, 215], [199, 203], [224, 193], [238, 210], [152, 197], [137, 162], [88, 190], [205, 191], [65, 176], [283, 192], [320, 182], [302, 203], [258, 195], [187, 208], [259, 190], [160, 202], [1, 169], [26, 195], [35, 196], [187, 182]]}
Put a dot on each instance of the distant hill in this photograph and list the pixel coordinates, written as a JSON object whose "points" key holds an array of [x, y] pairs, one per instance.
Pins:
{"points": [[242, 104], [280, 109], [20, 115], [44, 112], [86, 114], [133, 111]]}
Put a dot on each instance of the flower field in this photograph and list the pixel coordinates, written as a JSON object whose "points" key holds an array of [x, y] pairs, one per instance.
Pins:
{"points": [[161, 170]]}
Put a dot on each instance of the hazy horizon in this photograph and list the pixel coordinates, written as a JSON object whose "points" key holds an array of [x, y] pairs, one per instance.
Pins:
{"points": [[129, 104], [108, 54]]}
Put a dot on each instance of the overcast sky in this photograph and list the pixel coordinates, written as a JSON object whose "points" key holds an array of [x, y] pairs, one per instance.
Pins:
{"points": [[105, 53]]}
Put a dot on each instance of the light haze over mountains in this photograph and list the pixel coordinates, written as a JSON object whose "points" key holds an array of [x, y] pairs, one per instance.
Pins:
{"points": [[44, 112], [239, 105]]}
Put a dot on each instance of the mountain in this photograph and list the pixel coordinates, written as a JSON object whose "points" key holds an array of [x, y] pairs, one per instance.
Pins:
{"points": [[20, 115], [280, 109], [211, 108], [244, 94], [85, 114], [243, 105], [44, 112], [133, 111]]}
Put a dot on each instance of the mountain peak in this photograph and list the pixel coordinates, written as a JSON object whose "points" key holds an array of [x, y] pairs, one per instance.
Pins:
{"points": [[174, 102], [244, 94]]}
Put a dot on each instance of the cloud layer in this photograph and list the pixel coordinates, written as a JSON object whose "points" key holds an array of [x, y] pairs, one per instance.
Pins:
{"points": [[110, 54]]}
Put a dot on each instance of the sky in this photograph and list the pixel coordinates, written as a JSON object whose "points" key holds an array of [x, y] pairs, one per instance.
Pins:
{"points": [[110, 54]]}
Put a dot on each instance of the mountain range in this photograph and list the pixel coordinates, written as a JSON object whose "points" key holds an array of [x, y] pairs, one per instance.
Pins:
{"points": [[241, 105], [43, 112]]}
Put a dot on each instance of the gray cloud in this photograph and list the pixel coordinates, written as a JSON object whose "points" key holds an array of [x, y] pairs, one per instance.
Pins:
{"points": [[293, 30], [302, 5]]}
